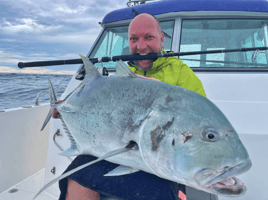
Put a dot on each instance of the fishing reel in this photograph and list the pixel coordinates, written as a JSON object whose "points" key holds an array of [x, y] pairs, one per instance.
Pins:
{"points": [[81, 74]]}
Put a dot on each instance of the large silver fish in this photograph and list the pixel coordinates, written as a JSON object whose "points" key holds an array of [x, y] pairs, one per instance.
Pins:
{"points": [[155, 127]]}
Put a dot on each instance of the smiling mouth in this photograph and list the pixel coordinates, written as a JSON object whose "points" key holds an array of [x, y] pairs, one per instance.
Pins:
{"points": [[222, 181], [143, 54]]}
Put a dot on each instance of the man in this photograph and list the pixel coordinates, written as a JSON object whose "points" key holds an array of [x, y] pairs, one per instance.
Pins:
{"points": [[145, 36]]}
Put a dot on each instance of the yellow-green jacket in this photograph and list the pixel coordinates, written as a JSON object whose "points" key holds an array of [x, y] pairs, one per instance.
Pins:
{"points": [[172, 70]]}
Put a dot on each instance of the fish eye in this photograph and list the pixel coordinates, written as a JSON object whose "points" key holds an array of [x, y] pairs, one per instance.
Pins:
{"points": [[210, 135]]}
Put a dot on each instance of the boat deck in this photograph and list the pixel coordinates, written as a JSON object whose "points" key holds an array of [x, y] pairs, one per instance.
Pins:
{"points": [[27, 189]]}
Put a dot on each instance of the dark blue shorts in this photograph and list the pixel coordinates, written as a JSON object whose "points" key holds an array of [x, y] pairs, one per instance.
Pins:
{"points": [[135, 186]]}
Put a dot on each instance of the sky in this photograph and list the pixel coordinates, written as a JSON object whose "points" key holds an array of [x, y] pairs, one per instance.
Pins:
{"points": [[35, 30]]}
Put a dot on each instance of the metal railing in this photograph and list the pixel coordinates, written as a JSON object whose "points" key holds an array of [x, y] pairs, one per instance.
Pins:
{"points": [[37, 98], [57, 133]]}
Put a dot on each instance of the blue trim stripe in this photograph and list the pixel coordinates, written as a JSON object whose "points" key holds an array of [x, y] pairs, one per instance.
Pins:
{"points": [[169, 6]]}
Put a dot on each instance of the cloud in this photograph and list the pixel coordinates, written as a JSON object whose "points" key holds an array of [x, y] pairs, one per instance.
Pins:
{"points": [[28, 26], [68, 10], [32, 30], [70, 55], [108, 6], [13, 59], [83, 37], [4, 69], [8, 40]]}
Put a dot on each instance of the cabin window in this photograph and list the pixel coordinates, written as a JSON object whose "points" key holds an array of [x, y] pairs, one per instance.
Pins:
{"points": [[204, 35], [114, 42]]}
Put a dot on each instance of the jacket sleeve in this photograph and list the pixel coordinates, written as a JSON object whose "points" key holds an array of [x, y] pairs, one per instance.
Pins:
{"points": [[189, 80]]}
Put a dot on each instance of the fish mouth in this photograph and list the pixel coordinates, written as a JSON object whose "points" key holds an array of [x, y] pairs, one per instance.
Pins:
{"points": [[223, 181]]}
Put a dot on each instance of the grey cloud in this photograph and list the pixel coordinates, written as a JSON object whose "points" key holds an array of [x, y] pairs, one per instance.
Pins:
{"points": [[26, 25], [32, 30]]}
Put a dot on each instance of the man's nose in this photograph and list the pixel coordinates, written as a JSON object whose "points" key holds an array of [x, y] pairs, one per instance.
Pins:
{"points": [[141, 44]]}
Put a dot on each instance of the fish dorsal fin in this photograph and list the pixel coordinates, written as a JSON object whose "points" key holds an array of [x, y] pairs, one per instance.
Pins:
{"points": [[90, 69], [73, 150], [129, 147], [121, 170], [122, 70]]}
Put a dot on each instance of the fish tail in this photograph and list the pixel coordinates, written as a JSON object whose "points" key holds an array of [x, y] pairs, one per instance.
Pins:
{"points": [[52, 98]]}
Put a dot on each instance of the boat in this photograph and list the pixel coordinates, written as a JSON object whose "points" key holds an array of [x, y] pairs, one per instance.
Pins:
{"points": [[235, 81]]}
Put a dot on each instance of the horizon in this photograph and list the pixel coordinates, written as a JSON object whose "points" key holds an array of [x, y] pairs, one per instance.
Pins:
{"points": [[37, 73]]}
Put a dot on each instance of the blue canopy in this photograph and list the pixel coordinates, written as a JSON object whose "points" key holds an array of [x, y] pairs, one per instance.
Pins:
{"points": [[168, 6]]}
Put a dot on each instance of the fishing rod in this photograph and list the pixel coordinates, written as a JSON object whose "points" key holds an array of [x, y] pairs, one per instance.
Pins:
{"points": [[150, 56]]}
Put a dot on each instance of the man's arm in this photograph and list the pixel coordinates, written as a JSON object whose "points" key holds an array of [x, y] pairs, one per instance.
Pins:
{"points": [[140, 76]]}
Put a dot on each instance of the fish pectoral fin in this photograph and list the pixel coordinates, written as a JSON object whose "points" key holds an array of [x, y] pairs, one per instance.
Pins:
{"points": [[49, 115], [122, 70], [52, 98], [132, 146], [121, 170]]}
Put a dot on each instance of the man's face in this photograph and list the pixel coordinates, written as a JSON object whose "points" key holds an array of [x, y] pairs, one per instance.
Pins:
{"points": [[144, 38]]}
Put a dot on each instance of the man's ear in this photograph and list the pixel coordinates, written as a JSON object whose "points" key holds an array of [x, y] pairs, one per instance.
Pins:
{"points": [[162, 39]]}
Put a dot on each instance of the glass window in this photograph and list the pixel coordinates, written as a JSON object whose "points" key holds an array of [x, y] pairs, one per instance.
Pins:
{"points": [[114, 42], [204, 35]]}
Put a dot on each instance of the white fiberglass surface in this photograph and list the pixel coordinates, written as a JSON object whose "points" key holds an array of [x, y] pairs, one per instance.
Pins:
{"points": [[27, 189], [256, 178], [242, 97], [23, 147]]}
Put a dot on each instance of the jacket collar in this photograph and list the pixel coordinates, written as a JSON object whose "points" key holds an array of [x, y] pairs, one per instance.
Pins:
{"points": [[156, 64]]}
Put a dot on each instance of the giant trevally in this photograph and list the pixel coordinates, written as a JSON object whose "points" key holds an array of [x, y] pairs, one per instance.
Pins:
{"points": [[155, 127]]}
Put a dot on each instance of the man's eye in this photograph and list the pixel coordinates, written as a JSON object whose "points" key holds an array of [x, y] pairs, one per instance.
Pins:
{"points": [[150, 37], [133, 38]]}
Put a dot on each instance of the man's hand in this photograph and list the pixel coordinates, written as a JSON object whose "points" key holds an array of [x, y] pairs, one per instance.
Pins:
{"points": [[55, 112], [140, 76]]}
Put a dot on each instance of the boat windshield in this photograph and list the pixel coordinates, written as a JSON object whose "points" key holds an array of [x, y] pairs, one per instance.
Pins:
{"points": [[114, 42], [205, 35]]}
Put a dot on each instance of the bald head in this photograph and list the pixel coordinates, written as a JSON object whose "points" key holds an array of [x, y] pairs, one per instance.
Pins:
{"points": [[147, 17], [145, 36]]}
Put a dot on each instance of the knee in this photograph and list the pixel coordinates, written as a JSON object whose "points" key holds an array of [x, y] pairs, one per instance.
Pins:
{"points": [[77, 191]]}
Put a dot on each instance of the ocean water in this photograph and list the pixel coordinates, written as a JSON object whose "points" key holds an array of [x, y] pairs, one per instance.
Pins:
{"points": [[18, 90]]}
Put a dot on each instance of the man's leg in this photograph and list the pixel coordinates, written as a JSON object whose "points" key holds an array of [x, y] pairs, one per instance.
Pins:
{"points": [[136, 186], [77, 191]]}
